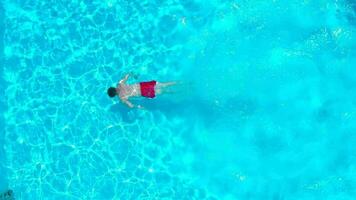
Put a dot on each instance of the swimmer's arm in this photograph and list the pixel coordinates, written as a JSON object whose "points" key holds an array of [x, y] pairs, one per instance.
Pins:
{"points": [[131, 105], [124, 79], [128, 103]]}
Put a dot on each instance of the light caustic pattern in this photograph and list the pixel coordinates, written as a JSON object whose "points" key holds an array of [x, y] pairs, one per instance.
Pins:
{"points": [[273, 95], [64, 139]]}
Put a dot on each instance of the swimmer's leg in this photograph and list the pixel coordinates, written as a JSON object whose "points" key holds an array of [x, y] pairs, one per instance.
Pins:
{"points": [[172, 87], [165, 84], [162, 87]]}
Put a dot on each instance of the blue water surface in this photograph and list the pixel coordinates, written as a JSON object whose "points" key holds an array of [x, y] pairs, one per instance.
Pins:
{"points": [[266, 108], [3, 175]]}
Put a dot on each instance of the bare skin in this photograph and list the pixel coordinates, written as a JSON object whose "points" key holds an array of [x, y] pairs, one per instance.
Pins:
{"points": [[125, 91]]}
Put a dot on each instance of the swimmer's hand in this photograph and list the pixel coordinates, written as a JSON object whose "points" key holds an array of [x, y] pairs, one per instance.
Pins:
{"points": [[131, 105], [133, 75], [140, 107]]}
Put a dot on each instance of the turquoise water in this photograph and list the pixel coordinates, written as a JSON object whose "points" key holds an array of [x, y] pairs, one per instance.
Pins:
{"points": [[270, 111]]}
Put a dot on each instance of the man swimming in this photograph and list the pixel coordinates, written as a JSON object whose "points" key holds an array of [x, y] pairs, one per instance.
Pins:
{"points": [[146, 89]]}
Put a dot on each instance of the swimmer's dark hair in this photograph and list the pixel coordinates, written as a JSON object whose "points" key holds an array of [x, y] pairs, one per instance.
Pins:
{"points": [[112, 92]]}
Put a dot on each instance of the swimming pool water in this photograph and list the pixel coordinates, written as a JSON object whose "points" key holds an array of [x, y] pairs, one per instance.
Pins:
{"points": [[267, 110]]}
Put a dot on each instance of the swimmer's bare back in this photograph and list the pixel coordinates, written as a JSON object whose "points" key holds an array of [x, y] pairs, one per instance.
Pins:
{"points": [[145, 89]]}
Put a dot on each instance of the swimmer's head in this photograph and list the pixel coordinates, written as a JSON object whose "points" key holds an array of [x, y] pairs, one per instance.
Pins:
{"points": [[112, 92]]}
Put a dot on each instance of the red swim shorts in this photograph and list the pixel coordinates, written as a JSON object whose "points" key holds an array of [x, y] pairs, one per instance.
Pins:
{"points": [[148, 89]]}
